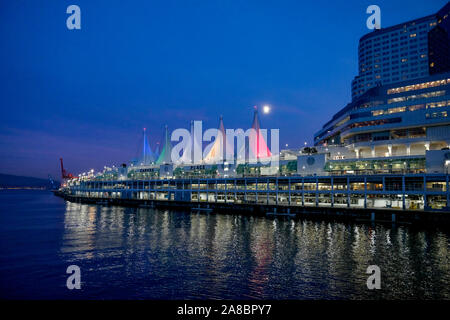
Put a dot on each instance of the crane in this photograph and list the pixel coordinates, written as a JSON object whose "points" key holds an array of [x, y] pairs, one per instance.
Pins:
{"points": [[64, 173]]}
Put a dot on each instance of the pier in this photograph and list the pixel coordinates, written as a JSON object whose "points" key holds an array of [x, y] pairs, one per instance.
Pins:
{"points": [[379, 198]]}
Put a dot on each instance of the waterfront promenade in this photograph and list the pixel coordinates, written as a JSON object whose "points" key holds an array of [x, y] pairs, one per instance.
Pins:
{"points": [[389, 198]]}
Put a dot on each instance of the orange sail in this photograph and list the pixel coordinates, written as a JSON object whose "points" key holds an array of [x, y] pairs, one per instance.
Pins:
{"points": [[218, 151]]}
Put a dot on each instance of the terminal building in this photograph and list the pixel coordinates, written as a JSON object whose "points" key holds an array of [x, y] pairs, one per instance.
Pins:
{"points": [[397, 128], [386, 149]]}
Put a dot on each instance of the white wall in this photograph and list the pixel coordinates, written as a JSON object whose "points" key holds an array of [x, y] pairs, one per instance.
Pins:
{"points": [[311, 164]]}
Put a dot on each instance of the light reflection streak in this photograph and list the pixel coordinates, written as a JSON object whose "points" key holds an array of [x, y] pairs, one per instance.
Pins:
{"points": [[177, 254]]}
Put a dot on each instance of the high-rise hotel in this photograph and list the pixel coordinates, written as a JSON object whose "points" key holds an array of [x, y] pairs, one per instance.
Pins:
{"points": [[399, 118], [407, 51]]}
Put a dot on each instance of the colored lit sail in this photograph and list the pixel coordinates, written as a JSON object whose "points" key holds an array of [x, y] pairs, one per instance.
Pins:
{"points": [[148, 157], [257, 148], [220, 147], [165, 156], [188, 153], [157, 150]]}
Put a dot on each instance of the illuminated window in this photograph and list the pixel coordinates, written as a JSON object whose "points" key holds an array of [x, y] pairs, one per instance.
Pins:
{"points": [[442, 114], [396, 110], [436, 104], [399, 99], [377, 113], [419, 86], [416, 107], [343, 121]]}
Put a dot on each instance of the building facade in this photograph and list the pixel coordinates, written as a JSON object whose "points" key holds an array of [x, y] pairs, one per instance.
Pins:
{"points": [[410, 50], [388, 149], [393, 124]]}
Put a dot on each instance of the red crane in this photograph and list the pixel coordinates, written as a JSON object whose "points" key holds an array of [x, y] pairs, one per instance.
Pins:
{"points": [[64, 173]]}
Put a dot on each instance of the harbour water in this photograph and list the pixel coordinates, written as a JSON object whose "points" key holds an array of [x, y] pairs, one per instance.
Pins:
{"points": [[144, 253]]}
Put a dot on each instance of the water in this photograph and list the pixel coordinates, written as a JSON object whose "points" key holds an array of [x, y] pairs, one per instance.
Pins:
{"points": [[130, 253]]}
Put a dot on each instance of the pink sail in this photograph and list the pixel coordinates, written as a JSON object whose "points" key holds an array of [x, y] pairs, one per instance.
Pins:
{"points": [[258, 145]]}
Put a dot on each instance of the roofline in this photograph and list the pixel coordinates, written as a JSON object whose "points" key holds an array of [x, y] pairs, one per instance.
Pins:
{"points": [[369, 94], [377, 32]]}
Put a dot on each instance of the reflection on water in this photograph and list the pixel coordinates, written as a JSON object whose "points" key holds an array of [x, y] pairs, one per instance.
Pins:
{"points": [[157, 254]]}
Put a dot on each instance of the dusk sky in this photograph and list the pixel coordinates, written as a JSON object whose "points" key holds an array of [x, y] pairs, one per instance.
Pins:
{"points": [[85, 95]]}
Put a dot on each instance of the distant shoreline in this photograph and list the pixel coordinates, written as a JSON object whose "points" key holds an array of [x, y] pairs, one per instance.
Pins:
{"points": [[24, 188], [12, 182]]}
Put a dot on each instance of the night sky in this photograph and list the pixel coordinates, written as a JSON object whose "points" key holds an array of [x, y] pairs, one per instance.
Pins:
{"points": [[85, 95]]}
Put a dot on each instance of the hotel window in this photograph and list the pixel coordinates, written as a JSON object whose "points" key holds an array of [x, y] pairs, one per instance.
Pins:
{"points": [[433, 115], [396, 110], [399, 134], [343, 121], [436, 104], [426, 95], [399, 99], [419, 86], [377, 113], [416, 107]]}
